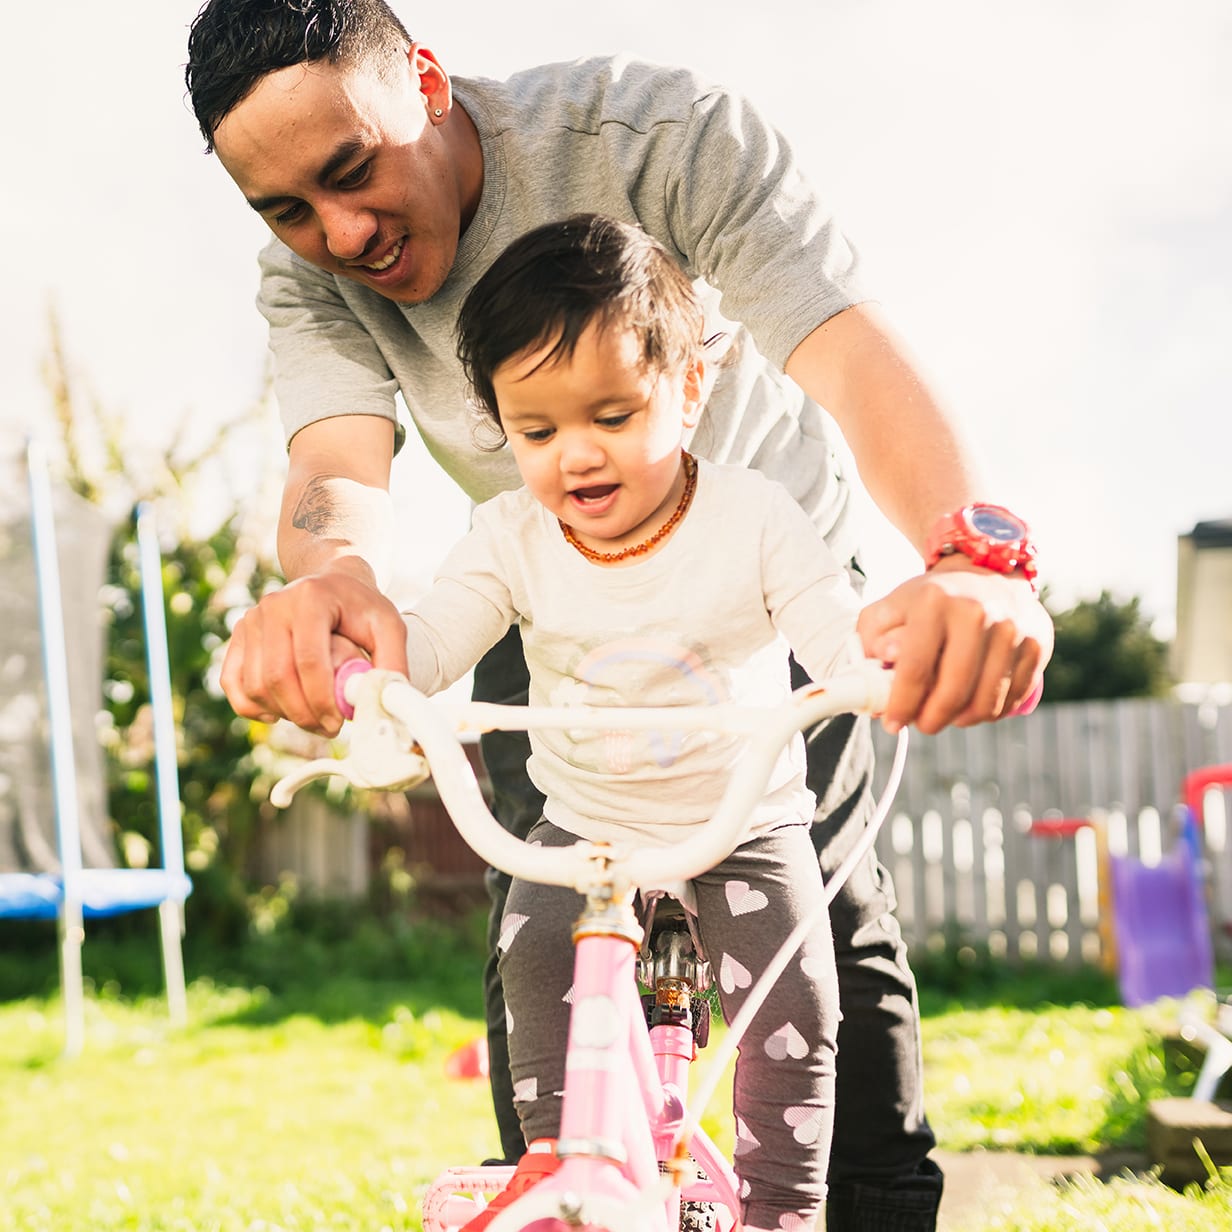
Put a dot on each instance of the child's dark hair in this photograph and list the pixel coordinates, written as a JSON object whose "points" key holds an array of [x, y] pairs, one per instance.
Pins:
{"points": [[232, 44], [549, 285]]}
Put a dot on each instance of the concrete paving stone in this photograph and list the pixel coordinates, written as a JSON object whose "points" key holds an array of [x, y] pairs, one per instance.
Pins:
{"points": [[1171, 1127], [979, 1182]]}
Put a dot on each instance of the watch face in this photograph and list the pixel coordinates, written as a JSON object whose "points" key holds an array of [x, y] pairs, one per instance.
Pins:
{"points": [[997, 524]]}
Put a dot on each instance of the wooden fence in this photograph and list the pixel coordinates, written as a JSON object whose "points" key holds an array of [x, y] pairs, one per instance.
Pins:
{"points": [[966, 867], [958, 842]]}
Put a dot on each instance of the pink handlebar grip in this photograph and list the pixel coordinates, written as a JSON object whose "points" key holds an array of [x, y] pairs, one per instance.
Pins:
{"points": [[1032, 699], [341, 676]]}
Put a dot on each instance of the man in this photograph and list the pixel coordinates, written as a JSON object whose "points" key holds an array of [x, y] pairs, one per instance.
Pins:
{"points": [[389, 187]]}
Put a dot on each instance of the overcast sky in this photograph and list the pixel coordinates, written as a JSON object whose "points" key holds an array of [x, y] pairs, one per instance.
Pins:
{"points": [[1042, 195]]}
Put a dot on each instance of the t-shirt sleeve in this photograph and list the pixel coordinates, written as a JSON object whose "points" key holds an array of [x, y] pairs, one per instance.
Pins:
{"points": [[809, 595], [325, 362], [750, 223]]}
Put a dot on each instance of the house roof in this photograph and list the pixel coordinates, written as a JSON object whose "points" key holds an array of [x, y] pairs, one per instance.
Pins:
{"points": [[1216, 534]]}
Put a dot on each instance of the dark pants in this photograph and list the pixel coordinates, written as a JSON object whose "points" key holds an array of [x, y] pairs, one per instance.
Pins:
{"points": [[880, 1177]]}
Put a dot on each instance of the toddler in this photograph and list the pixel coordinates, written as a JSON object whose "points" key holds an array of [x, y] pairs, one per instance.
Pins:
{"points": [[639, 574]]}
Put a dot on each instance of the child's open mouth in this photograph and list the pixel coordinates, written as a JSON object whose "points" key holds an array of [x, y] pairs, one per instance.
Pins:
{"points": [[594, 495]]}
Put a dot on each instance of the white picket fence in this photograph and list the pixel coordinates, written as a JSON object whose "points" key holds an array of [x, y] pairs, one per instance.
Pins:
{"points": [[959, 846]]}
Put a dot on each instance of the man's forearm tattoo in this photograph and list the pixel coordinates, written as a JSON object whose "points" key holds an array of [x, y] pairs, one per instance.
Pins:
{"points": [[317, 511]]}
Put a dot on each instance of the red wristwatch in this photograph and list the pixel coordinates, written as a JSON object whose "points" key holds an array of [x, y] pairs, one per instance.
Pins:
{"points": [[991, 536]]}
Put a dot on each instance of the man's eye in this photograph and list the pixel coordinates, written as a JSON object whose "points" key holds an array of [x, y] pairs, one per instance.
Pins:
{"points": [[292, 213], [355, 177]]}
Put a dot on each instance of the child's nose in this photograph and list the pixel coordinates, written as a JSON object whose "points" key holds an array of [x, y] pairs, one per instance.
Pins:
{"points": [[581, 452]]}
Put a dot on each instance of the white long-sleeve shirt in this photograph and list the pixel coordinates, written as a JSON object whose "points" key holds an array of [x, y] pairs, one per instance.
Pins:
{"points": [[707, 618]]}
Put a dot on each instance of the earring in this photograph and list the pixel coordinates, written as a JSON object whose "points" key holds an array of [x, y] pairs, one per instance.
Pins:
{"points": [[438, 113]]}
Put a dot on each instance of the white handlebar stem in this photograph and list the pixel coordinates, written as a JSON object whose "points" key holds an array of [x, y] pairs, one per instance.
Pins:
{"points": [[864, 689]]}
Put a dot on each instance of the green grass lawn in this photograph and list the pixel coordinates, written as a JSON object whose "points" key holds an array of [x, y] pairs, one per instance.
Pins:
{"points": [[239, 1122], [1044, 1061], [1121, 1205], [308, 1090]]}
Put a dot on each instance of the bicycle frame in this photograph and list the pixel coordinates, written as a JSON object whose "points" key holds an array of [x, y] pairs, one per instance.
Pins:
{"points": [[622, 1112], [628, 1144]]}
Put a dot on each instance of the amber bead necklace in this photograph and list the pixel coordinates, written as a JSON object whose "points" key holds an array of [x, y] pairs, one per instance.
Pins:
{"points": [[640, 549]]}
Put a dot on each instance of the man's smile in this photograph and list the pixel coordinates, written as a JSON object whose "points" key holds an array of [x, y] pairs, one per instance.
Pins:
{"points": [[388, 260]]}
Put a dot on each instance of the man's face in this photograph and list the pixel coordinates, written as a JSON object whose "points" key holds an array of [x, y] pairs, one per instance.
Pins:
{"points": [[355, 173]]}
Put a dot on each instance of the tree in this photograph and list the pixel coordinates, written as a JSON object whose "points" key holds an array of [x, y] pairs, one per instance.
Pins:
{"points": [[1105, 649]]}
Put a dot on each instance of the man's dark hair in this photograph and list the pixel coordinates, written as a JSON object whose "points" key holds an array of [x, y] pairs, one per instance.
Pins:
{"points": [[232, 44], [553, 282]]}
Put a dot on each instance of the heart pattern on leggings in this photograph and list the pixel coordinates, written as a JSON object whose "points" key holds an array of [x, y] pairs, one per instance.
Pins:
{"points": [[511, 925], [526, 1091], [806, 1123], [742, 899], [815, 966], [795, 1223], [786, 1042], [746, 1140], [732, 975]]}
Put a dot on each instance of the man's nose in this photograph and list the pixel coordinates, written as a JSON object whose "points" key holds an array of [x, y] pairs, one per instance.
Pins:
{"points": [[348, 231]]}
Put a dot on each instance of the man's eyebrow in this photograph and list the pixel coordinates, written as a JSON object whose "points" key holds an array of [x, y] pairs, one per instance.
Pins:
{"points": [[338, 159]]}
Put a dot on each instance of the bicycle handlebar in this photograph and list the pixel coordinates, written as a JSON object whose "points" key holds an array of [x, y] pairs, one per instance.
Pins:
{"points": [[399, 736]]}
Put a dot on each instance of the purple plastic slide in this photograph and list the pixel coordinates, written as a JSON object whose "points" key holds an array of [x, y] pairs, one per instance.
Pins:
{"points": [[1163, 934]]}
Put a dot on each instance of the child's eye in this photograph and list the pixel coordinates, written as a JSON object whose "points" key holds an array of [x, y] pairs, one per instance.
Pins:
{"points": [[537, 435], [614, 421]]}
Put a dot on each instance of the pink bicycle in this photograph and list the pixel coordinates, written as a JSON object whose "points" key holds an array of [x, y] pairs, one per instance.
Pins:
{"points": [[633, 1157]]}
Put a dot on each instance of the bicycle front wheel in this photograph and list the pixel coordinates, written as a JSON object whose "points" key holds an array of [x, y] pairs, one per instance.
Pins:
{"points": [[542, 1212]]}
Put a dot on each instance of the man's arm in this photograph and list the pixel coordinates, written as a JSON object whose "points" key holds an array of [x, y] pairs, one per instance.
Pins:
{"points": [[968, 644], [336, 511], [335, 537]]}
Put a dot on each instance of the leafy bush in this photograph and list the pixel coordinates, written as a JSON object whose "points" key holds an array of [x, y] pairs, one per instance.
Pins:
{"points": [[1105, 649], [224, 761]]}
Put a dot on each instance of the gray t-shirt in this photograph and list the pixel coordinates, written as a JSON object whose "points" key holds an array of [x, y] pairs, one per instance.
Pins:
{"points": [[698, 168]]}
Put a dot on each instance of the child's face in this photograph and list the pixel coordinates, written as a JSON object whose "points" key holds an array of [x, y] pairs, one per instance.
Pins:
{"points": [[597, 435]]}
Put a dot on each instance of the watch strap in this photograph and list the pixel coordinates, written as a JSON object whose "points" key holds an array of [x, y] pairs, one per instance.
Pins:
{"points": [[956, 533]]}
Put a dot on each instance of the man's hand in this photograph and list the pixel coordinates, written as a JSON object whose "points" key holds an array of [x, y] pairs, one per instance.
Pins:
{"points": [[334, 536], [282, 655], [967, 646]]}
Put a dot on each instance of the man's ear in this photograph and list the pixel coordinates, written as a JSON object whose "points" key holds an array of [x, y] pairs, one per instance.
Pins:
{"points": [[433, 81], [694, 382]]}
